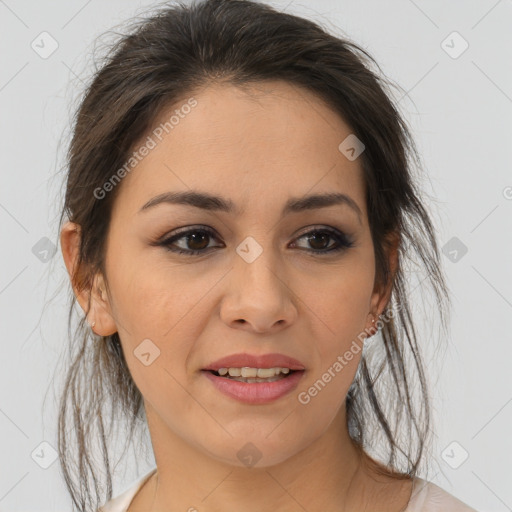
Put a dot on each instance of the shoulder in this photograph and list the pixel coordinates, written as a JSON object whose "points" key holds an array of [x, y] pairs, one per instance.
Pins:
{"points": [[121, 502], [428, 497]]}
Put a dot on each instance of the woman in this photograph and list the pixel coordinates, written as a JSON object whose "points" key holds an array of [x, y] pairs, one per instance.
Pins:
{"points": [[240, 211]]}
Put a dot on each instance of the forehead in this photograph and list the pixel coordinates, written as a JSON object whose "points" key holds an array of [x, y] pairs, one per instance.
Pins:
{"points": [[258, 144]]}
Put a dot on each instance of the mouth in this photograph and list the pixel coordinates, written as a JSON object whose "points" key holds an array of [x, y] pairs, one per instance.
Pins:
{"points": [[255, 378], [254, 390], [254, 375]]}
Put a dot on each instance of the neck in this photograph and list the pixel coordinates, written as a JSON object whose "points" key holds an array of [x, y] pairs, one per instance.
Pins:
{"points": [[330, 474]]}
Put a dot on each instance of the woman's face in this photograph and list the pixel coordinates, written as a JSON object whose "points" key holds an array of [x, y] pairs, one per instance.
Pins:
{"points": [[256, 286]]}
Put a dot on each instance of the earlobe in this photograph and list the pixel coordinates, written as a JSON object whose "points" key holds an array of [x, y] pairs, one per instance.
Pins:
{"points": [[101, 311], [70, 244], [381, 297], [92, 297]]}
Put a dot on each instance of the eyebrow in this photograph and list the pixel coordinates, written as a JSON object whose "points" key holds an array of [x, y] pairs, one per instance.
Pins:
{"points": [[210, 202]]}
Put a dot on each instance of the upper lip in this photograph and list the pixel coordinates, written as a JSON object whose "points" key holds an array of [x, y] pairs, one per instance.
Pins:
{"points": [[256, 361]]}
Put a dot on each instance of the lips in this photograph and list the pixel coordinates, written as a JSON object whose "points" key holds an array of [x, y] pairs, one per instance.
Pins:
{"points": [[256, 361], [256, 393]]}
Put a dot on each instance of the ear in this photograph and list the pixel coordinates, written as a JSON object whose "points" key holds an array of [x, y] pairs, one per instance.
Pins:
{"points": [[382, 292], [91, 294]]}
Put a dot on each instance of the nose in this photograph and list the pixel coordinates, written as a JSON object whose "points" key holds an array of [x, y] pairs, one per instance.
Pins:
{"points": [[258, 298]]}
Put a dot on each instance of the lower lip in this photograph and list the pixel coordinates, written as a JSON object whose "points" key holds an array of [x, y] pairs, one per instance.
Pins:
{"points": [[255, 392]]}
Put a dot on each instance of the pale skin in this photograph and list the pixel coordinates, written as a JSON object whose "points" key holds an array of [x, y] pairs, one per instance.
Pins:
{"points": [[257, 147]]}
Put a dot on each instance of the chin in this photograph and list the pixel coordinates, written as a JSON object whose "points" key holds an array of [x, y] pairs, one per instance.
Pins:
{"points": [[257, 451]]}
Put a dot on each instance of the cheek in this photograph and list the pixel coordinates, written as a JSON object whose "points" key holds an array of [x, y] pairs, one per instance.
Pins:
{"points": [[346, 315], [341, 308], [164, 303], [156, 314], [151, 294]]}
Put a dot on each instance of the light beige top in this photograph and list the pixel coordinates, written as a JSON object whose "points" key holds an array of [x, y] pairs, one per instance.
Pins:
{"points": [[426, 497]]}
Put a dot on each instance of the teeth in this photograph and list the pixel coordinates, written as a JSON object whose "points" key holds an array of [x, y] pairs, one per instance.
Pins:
{"points": [[251, 380], [265, 373], [249, 372], [261, 373]]}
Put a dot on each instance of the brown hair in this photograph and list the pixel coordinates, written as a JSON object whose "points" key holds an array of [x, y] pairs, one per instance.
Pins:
{"points": [[162, 59]]}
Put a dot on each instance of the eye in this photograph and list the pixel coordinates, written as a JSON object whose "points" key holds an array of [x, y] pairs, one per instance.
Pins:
{"points": [[319, 240], [195, 241]]}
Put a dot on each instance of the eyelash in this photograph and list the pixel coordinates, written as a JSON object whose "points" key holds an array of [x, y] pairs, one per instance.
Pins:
{"points": [[342, 240]]}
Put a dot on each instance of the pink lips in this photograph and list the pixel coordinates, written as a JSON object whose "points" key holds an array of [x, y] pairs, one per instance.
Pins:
{"points": [[256, 361], [256, 392]]}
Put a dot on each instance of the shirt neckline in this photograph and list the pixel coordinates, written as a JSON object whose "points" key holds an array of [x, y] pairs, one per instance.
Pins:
{"points": [[124, 500]]}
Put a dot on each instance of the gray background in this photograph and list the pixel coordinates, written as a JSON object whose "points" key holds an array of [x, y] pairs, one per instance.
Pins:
{"points": [[460, 107]]}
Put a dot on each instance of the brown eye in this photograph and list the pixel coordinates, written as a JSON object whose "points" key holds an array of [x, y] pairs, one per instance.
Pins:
{"points": [[318, 239], [196, 241], [192, 241]]}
